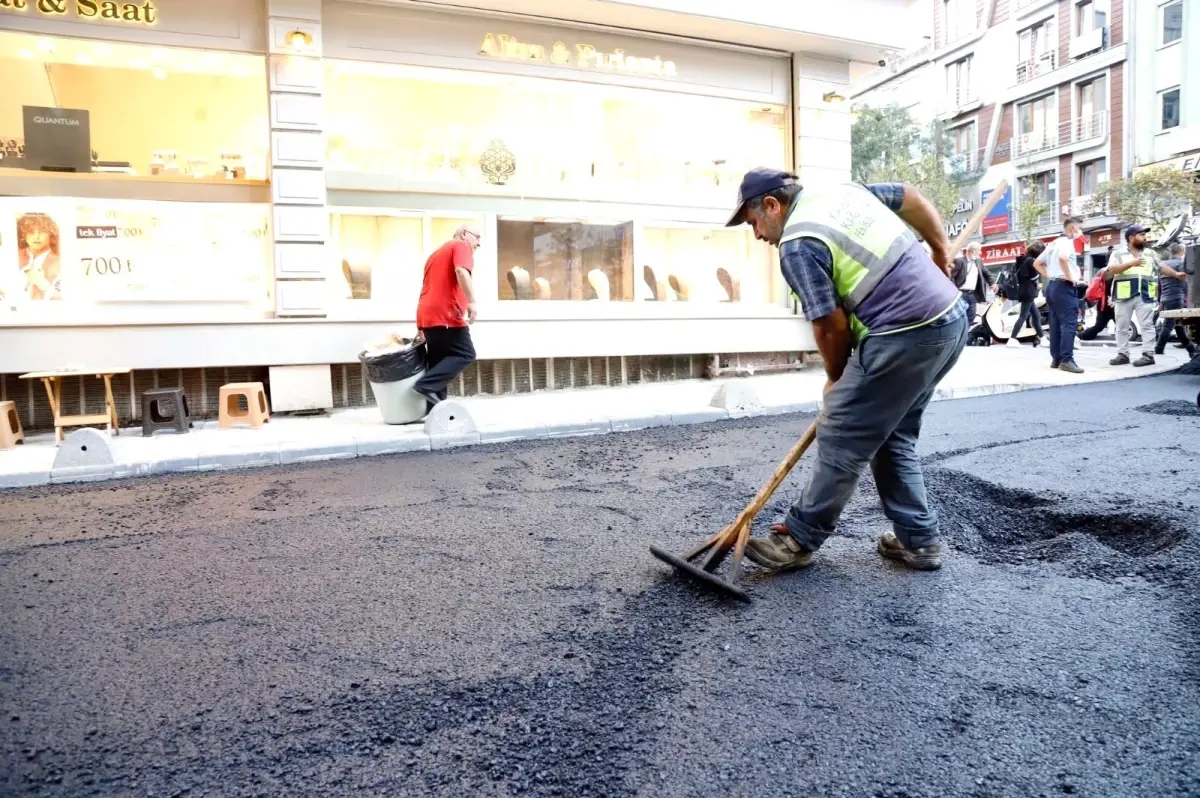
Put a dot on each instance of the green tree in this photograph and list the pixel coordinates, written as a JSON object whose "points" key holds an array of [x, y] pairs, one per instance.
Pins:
{"points": [[888, 146], [1031, 211], [1152, 196]]}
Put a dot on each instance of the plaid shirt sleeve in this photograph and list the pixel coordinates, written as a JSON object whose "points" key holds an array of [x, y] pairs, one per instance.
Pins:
{"points": [[807, 264]]}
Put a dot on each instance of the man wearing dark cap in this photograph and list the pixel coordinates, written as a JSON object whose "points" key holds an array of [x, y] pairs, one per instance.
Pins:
{"points": [[889, 324], [1134, 268]]}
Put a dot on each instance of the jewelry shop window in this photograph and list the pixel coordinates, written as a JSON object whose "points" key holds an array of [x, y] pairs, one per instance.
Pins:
{"points": [[380, 259], [702, 264], [466, 132], [565, 259], [131, 110]]}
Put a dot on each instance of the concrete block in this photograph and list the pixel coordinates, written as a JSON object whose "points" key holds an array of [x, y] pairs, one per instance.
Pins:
{"points": [[28, 479], [85, 455], [579, 429], [374, 443], [240, 458], [450, 441], [798, 407], [315, 452], [450, 418], [507, 435], [644, 422], [699, 416], [738, 398]]}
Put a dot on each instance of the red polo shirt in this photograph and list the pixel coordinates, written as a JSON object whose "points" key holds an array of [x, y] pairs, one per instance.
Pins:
{"points": [[443, 303]]}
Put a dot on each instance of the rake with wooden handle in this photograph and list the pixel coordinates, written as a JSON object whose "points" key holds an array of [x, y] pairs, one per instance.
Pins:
{"points": [[702, 562]]}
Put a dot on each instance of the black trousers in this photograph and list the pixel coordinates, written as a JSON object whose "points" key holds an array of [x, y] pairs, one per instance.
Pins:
{"points": [[1103, 319], [448, 351], [1029, 313], [1169, 325]]}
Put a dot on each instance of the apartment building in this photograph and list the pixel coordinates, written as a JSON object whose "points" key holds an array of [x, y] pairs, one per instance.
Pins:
{"points": [[1166, 85], [1031, 91]]}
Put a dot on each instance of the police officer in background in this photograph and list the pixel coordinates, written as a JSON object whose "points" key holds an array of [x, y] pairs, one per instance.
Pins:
{"points": [[889, 325]]}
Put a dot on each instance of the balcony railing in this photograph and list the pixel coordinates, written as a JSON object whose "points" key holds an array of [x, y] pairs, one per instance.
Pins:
{"points": [[961, 97], [964, 163], [1090, 42], [1074, 132], [1039, 65], [1086, 207]]}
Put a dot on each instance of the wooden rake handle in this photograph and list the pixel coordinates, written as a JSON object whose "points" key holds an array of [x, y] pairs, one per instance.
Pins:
{"points": [[781, 472], [977, 219]]}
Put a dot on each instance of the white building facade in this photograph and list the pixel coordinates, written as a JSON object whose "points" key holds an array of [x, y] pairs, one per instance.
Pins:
{"points": [[235, 187], [1166, 82]]}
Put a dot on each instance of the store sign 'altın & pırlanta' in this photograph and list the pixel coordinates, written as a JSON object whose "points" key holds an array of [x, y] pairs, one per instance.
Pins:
{"points": [[584, 56]]}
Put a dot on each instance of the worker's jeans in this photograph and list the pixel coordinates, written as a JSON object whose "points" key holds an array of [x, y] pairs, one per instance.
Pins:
{"points": [[872, 415], [1126, 308], [1169, 326]]}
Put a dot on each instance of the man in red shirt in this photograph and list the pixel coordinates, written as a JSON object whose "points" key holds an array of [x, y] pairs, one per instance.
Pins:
{"points": [[445, 311]]}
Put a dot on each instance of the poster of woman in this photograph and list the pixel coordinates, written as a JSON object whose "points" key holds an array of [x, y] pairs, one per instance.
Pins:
{"points": [[39, 256]]}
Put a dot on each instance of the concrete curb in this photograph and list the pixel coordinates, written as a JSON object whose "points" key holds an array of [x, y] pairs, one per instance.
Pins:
{"points": [[376, 441]]}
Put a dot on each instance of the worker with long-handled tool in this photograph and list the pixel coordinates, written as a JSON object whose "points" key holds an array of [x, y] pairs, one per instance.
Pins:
{"points": [[889, 325]]}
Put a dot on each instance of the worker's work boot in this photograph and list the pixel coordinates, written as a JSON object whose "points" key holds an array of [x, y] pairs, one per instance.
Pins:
{"points": [[778, 551], [928, 558], [1144, 360], [1119, 360]]}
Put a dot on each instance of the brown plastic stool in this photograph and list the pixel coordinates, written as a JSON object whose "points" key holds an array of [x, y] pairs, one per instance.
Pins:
{"points": [[256, 401], [10, 426], [165, 408]]}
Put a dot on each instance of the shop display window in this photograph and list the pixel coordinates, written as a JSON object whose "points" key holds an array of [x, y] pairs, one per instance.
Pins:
{"points": [[467, 132], [565, 260], [380, 258], [150, 111], [701, 264]]}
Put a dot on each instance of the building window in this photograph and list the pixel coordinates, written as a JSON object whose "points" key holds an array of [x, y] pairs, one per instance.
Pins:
{"points": [[1091, 175], [1041, 188], [1092, 103], [960, 18], [545, 138], [1090, 15], [958, 83], [1170, 108], [565, 259], [1036, 127], [964, 153], [1172, 22], [695, 264], [1036, 50], [380, 258]]}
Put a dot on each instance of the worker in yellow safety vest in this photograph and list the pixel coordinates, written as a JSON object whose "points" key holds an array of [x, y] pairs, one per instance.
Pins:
{"points": [[1134, 270]]}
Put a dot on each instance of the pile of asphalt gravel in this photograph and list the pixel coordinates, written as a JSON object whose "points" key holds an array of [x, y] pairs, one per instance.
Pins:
{"points": [[1171, 408], [1088, 536]]}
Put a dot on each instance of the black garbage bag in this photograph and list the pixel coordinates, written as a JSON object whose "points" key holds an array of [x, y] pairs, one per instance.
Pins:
{"points": [[395, 365]]}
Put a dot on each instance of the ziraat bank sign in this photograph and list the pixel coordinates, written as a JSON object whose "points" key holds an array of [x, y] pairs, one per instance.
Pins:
{"points": [[580, 56], [143, 13]]}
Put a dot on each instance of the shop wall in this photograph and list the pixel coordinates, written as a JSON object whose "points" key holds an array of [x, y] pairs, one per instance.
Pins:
{"points": [[236, 25], [27, 83], [356, 31], [319, 342]]}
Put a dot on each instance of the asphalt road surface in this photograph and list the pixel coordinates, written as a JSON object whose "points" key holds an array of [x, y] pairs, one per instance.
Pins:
{"points": [[489, 622]]}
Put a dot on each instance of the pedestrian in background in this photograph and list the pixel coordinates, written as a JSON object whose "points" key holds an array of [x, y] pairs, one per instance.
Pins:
{"points": [[1058, 265], [1100, 292], [972, 277], [1172, 294], [1028, 288], [1134, 268], [445, 312]]}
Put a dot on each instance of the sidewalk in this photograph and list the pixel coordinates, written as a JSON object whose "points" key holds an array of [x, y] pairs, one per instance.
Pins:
{"points": [[359, 432]]}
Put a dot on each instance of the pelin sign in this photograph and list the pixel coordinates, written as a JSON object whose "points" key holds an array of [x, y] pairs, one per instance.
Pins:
{"points": [[144, 13]]}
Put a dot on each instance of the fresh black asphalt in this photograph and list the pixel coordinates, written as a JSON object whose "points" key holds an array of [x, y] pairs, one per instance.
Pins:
{"points": [[489, 622]]}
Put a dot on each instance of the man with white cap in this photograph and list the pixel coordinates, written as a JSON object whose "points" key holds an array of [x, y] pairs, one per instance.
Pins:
{"points": [[445, 312]]}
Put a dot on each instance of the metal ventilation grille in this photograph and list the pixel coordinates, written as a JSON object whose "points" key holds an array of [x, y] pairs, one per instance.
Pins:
{"points": [[352, 389]]}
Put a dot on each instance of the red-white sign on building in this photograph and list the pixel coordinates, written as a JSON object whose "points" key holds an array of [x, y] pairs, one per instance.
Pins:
{"points": [[1005, 251]]}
